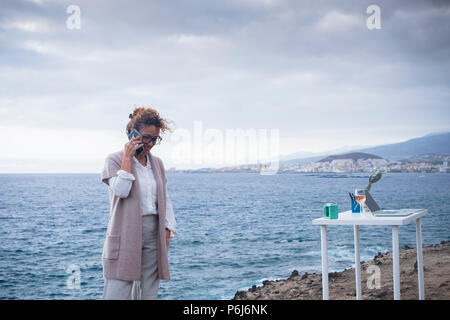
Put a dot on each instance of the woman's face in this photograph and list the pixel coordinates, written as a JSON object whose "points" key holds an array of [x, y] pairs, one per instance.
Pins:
{"points": [[149, 131]]}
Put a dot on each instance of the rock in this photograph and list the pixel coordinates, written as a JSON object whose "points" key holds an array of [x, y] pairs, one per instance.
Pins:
{"points": [[309, 285], [240, 295], [381, 294], [294, 274], [424, 269], [377, 262], [405, 247], [333, 275]]}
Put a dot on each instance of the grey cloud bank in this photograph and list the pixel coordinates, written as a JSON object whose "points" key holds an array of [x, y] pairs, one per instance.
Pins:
{"points": [[311, 69]]}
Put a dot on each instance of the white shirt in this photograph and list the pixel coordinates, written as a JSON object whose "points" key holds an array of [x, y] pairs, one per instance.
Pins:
{"points": [[121, 186]]}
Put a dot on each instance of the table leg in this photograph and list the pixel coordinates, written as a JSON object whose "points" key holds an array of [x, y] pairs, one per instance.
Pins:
{"points": [[420, 258], [357, 262], [396, 262], [323, 243]]}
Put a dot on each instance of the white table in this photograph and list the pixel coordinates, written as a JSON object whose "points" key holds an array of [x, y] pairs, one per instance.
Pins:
{"points": [[358, 219]]}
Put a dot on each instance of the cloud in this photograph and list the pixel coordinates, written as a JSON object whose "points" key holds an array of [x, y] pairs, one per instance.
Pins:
{"points": [[41, 47], [336, 21], [31, 26], [42, 143], [37, 2], [293, 65], [197, 41]]}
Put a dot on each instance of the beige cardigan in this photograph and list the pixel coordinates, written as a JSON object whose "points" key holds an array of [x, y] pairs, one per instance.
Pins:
{"points": [[122, 249]]}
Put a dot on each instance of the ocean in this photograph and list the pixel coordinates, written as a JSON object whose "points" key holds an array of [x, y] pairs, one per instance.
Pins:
{"points": [[234, 229]]}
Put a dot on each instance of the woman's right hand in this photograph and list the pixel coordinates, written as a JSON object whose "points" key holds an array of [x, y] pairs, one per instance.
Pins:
{"points": [[131, 146]]}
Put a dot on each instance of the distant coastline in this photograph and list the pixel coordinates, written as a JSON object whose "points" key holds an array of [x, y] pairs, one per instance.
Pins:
{"points": [[366, 173], [427, 154], [355, 162]]}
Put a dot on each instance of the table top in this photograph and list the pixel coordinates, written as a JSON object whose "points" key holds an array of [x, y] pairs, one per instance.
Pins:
{"points": [[349, 218]]}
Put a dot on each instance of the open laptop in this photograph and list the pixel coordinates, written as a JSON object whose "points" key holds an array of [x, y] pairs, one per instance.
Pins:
{"points": [[377, 212], [372, 204]]}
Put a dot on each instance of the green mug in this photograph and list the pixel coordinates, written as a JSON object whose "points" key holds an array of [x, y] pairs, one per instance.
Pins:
{"points": [[330, 211]]}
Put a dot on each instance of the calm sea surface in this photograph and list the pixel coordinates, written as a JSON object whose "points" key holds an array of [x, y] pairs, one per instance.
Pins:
{"points": [[235, 230]]}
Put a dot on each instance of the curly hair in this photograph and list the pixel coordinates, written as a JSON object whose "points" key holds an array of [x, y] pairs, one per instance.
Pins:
{"points": [[142, 117]]}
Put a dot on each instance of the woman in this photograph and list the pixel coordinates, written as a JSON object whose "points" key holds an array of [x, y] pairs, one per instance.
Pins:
{"points": [[141, 219]]}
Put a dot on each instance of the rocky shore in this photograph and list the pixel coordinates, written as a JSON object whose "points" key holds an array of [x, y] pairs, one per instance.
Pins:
{"points": [[342, 284]]}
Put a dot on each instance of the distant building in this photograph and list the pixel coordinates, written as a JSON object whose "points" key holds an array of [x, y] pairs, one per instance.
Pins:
{"points": [[444, 166]]}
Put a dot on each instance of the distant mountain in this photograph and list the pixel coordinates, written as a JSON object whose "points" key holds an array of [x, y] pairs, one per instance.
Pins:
{"points": [[435, 133], [302, 161], [433, 143], [304, 155], [438, 143], [352, 156], [432, 158]]}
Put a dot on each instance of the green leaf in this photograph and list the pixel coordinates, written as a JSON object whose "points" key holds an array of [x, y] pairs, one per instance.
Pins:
{"points": [[377, 177], [374, 178]]}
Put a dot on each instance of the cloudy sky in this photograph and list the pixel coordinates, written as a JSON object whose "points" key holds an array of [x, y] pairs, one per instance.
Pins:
{"points": [[311, 70]]}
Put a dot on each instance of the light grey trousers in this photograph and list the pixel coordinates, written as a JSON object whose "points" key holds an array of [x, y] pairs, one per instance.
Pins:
{"points": [[147, 287]]}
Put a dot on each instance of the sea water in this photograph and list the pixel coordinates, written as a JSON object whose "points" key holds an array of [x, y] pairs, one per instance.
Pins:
{"points": [[234, 229]]}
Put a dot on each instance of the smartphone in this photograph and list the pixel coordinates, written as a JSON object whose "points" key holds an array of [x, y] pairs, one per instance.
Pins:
{"points": [[135, 133]]}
